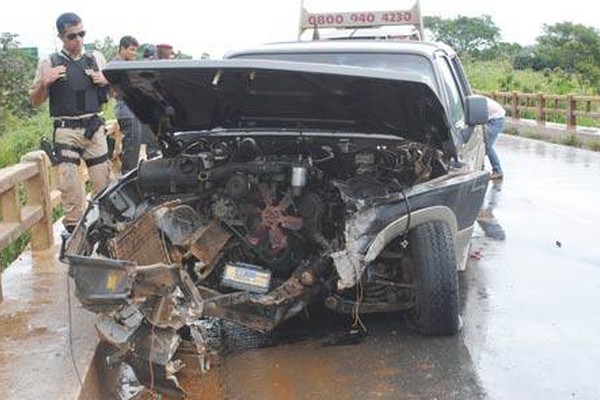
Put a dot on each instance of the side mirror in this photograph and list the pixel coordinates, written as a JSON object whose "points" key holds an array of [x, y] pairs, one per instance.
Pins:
{"points": [[476, 110]]}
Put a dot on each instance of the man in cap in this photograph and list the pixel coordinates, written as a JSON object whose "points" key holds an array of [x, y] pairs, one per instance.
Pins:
{"points": [[164, 52]]}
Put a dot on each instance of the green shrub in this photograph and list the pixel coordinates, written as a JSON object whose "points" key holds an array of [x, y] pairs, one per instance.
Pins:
{"points": [[594, 145], [533, 135], [23, 136], [13, 251], [571, 140], [16, 73], [511, 130], [488, 76]]}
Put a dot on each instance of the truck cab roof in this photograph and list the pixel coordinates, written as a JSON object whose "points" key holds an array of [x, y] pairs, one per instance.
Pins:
{"points": [[427, 49]]}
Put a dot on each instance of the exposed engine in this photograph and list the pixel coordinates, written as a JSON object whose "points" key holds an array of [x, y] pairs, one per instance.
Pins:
{"points": [[272, 203], [240, 229]]}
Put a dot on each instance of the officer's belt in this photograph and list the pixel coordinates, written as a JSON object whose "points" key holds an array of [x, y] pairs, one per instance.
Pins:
{"points": [[73, 123]]}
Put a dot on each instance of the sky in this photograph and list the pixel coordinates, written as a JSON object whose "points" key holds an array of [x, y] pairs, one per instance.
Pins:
{"points": [[216, 26]]}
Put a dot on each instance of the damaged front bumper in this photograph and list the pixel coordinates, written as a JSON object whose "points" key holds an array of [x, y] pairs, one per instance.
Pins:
{"points": [[146, 310]]}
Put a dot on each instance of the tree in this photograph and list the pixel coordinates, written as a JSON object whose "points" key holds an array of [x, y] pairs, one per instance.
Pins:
{"points": [[574, 48], [107, 47], [467, 35], [16, 74], [182, 56], [501, 51], [525, 58]]}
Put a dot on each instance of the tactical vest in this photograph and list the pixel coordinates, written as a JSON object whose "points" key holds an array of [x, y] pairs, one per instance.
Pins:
{"points": [[76, 94]]}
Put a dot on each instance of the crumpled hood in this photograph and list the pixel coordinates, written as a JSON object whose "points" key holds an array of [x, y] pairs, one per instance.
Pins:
{"points": [[178, 96]]}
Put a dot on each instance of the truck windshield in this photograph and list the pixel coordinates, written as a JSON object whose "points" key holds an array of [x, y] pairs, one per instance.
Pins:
{"points": [[397, 62]]}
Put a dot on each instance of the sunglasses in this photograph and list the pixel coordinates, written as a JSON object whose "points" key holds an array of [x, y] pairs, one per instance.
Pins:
{"points": [[73, 36]]}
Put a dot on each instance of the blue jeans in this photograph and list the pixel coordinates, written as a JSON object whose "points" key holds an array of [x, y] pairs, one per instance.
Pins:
{"points": [[494, 126]]}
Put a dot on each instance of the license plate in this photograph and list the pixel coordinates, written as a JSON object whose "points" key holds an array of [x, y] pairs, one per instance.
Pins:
{"points": [[247, 277]]}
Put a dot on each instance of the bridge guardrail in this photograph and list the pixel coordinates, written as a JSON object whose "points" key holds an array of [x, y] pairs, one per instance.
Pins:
{"points": [[28, 194], [570, 107]]}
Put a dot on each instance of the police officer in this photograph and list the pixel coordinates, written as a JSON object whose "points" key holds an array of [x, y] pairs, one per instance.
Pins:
{"points": [[496, 116], [76, 87]]}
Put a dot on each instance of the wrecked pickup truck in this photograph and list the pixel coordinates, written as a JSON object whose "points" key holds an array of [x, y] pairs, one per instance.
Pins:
{"points": [[283, 183]]}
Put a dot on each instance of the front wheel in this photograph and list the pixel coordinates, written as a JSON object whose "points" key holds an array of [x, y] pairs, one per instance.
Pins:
{"points": [[436, 311]]}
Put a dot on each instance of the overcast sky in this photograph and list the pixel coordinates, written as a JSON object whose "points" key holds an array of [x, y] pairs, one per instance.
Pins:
{"points": [[215, 26]]}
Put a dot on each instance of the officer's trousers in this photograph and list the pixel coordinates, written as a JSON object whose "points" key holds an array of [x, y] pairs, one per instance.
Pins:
{"points": [[74, 146]]}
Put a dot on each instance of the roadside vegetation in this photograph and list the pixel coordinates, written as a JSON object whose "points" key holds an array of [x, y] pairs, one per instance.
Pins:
{"points": [[564, 60], [500, 75]]}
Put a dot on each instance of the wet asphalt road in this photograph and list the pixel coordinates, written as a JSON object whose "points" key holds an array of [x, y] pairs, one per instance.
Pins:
{"points": [[531, 307]]}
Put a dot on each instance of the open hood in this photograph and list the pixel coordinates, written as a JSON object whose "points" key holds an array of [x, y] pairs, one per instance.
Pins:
{"points": [[179, 96]]}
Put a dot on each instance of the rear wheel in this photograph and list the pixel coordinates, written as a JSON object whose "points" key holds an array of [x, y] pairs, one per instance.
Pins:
{"points": [[436, 311]]}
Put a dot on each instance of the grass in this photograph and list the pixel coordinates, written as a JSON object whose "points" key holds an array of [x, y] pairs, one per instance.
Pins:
{"points": [[594, 145], [571, 140], [500, 76], [511, 130], [532, 135], [12, 252], [22, 137]]}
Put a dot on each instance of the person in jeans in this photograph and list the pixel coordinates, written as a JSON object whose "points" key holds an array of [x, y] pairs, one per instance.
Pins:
{"points": [[496, 115], [73, 82], [149, 142], [129, 124]]}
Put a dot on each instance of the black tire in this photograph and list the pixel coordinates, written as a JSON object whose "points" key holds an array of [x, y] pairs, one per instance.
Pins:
{"points": [[436, 311]]}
